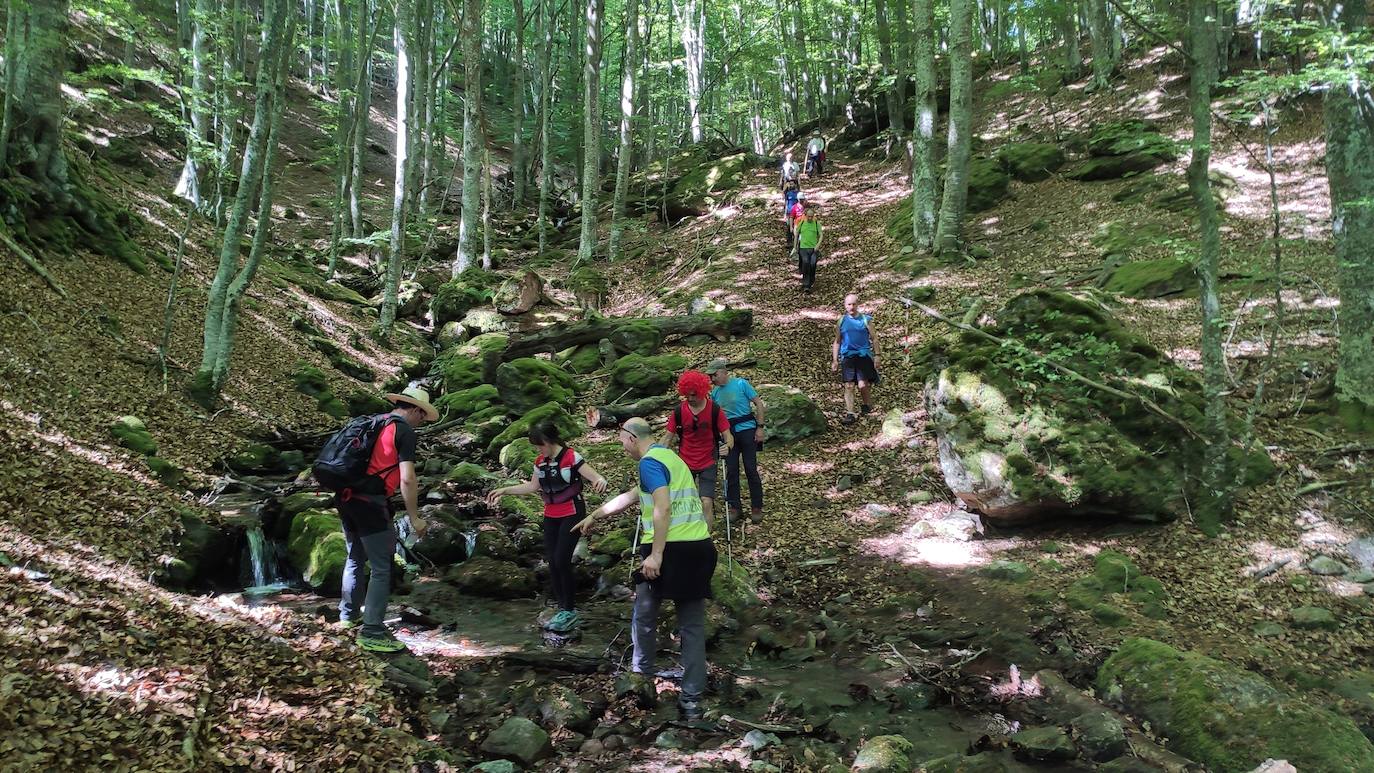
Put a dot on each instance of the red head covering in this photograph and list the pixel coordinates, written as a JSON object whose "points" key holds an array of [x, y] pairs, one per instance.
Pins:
{"points": [[694, 383]]}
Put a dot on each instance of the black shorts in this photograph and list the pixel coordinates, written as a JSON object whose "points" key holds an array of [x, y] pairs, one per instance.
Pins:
{"points": [[856, 368], [706, 482]]}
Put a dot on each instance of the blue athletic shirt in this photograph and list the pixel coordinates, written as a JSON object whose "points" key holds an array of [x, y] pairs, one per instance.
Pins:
{"points": [[652, 473], [854, 338], [733, 398]]}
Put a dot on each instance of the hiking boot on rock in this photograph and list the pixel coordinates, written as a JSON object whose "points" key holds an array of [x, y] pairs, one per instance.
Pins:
{"points": [[386, 643], [756, 515]]}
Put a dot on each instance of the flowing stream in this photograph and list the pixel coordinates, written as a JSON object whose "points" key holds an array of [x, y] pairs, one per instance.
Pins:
{"points": [[262, 554]]}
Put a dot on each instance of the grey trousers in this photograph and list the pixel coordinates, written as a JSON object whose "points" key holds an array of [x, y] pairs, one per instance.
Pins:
{"points": [[691, 621], [375, 550]]}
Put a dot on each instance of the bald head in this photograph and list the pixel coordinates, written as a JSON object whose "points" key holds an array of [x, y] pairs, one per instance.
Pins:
{"points": [[851, 304], [636, 436]]}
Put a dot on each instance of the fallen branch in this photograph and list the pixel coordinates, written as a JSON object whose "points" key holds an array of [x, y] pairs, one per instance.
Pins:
{"points": [[1321, 485], [1149, 404], [32, 263], [607, 416]]}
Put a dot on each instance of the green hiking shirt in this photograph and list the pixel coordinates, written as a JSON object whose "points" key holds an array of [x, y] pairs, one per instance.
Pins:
{"points": [[808, 233]]}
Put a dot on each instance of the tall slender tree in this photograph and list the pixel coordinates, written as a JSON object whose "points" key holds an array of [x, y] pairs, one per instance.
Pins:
{"points": [[403, 36], [627, 116], [1348, 111], [923, 126], [472, 136], [960, 139], [518, 167], [591, 125], [692, 19], [1104, 49], [547, 18]]}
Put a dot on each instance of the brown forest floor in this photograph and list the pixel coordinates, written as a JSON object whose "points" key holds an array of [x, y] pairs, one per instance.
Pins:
{"points": [[99, 661]]}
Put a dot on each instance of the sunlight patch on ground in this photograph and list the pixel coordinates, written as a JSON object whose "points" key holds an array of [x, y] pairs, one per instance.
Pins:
{"points": [[808, 468], [1266, 554], [174, 690]]}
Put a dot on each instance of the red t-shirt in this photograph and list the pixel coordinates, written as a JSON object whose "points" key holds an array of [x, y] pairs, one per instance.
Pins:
{"points": [[698, 444], [395, 444], [797, 211], [569, 464]]}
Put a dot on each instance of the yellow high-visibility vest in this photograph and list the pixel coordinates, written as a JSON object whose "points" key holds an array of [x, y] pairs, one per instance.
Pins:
{"points": [[687, 521]]}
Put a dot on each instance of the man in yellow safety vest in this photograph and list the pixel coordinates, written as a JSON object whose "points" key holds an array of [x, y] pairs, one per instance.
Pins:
{"points": [[678, 558]]}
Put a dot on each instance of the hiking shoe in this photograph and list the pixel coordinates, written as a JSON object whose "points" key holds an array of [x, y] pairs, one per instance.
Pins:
{"points": [[756, 515], [866, 409], [346, 625], [690, 711], [564, 621], [849, 418], [386, 643]]}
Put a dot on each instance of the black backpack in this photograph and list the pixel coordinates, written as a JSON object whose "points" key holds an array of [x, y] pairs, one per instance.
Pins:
{"points": [[715, 421], [343, 460]]}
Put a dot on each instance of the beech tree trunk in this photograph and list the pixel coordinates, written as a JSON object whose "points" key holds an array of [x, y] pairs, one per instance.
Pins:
{"points": [[591, 135], [627, 115], [894, 105], [362, 118], [960, 126], [404, 28], [1100, 31], [546, 22], [1348, 110], [923, 133], [517, 150], [692, 18], [472, 136]]}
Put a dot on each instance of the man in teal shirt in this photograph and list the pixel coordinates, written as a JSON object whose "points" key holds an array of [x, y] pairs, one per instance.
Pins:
{"points": [[745, 410]]}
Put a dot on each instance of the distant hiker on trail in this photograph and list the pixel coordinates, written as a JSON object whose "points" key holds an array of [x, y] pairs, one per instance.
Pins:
{"points": [[745, 410], [699, 431], [794, 213], [790, 191], [387, 443], [808, 244], [558, 478], [815, 155], [789, 172], [855, 355], [678, 555]]}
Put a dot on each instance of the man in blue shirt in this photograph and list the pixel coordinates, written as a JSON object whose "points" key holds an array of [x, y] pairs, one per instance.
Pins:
{"points": [[855, 355], [745, 410]]}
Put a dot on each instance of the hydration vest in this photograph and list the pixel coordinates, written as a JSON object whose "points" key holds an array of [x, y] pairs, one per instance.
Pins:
{"points": [[552, 487]]}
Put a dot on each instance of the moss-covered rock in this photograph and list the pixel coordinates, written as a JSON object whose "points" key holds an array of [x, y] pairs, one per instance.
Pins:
{"points": [[733, 588], [305, 500], [582, 360], [201, 554], [527, 383], [458, 296], [589, 286], [489, 578], [987, 183], [983, 762], [568, 427], [310, 380], [792, 414], [884, 754], [1031, 161], [466, 402], [615, 543], [317, 549], [707, 186], [1123, 148], [254, 457], [1019, 442], [1226, 717], [133, 434], [468, 477], [634, 376], [457, 371], [165, 471], [637, 337], [483, 321], [518, 455], [1152, 278], [361, 402], [451, 333]]}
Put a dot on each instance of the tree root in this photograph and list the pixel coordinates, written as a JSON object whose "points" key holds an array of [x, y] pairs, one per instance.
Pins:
{"points": [[32, 263]]}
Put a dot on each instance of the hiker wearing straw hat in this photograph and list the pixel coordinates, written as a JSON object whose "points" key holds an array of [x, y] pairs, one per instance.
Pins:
{"points": [[365, 512], [678, 560]]}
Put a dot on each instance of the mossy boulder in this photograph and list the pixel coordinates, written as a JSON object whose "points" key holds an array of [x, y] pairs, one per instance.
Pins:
{"points": [[519, 294], [1020, 442], [792, 414], [489, 578], [706, 187], [1031, 161], [254, 457], [484, 320], [884, 754], [1116, 577], [1225, 717], [467, 476], [133, 434], [568, 427], [305, 500], [451, 333], [457, 371], [527, 383], [582, 360], [518, 455], [634, 376], [589, 286], [983, 762], [733, 588], [614, 543], [1124, 148], [201, 554], [1152, 278], [987, 183], [519, 739], [317, 549], [637, 337], [310, 380], [361, 402], [458, 296], [466, 402]]}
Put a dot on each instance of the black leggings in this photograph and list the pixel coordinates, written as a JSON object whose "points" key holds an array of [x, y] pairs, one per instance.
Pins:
{"points": [[559, 544]]}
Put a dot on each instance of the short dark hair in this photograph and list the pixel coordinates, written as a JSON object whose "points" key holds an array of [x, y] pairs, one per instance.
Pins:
{"points": [[544, 432]]}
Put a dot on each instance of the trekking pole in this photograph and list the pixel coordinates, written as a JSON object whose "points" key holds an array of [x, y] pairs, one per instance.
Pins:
{"points": [[634, 548], [729, 543]]}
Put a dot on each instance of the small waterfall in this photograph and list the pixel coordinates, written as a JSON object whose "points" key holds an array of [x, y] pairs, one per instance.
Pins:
{"points": [[262, 553], [471, 538]]}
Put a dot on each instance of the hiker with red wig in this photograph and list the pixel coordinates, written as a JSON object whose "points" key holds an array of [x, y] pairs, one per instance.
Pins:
{"points": [[699, 432]]}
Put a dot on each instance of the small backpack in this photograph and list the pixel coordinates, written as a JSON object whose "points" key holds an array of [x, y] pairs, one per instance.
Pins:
{"points": [[552, 488], [344, 459], [715, 421]]}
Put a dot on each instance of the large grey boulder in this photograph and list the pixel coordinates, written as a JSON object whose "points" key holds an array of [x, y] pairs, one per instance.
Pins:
{"points": [[792, 414]]}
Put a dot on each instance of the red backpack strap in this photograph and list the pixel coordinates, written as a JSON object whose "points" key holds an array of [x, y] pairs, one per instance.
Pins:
{"points": [[677, 420]]}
